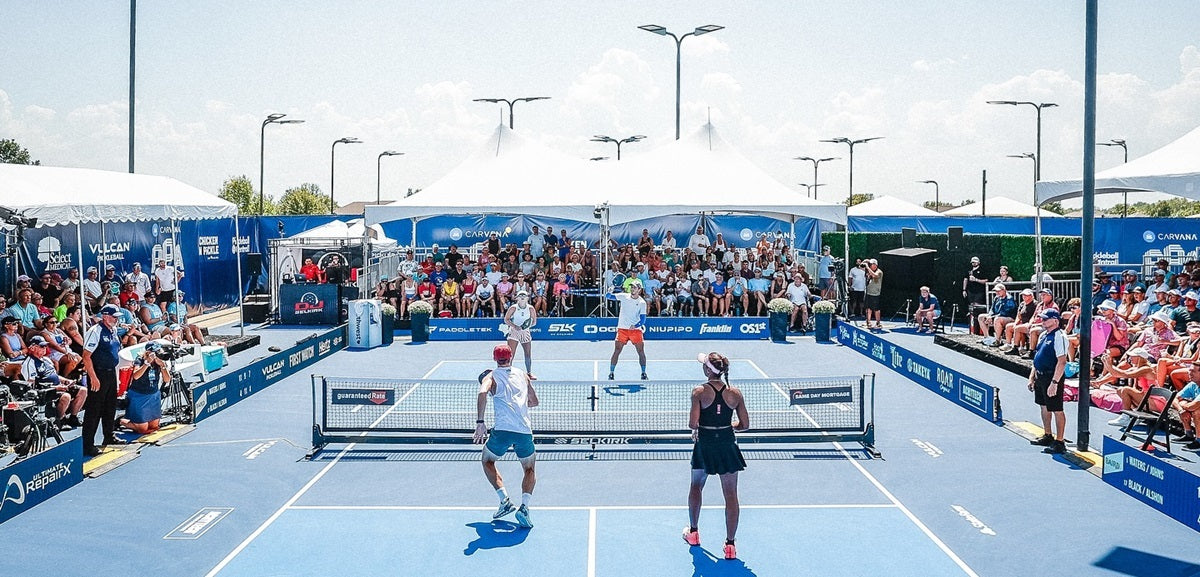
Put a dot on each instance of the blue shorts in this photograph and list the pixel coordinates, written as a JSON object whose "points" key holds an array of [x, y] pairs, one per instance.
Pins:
{"points": [[500, 441]]}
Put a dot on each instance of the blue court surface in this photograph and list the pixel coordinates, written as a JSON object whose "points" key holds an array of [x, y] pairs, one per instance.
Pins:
{"points": [[951, 495]]}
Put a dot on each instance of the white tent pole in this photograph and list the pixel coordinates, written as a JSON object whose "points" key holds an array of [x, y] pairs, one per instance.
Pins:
{"points": [[171, 263], [237, 259], [414, 236], [82, 295], [1037, 237]]}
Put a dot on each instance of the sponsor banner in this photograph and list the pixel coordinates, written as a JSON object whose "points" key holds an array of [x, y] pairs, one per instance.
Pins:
{"points": [[40, 477], [966, 392], [588, 328], [217, 395], [308, 304], [361, 397], [821, 395], [1168, 489]]}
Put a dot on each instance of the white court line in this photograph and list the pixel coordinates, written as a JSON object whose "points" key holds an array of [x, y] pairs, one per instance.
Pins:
{"points": [[591, 559], [583, 508], [242, 546], [911, 517]]}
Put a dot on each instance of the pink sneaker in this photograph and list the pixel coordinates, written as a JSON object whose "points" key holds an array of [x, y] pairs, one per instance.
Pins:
{"points": [[730, 551], [691, 537]]}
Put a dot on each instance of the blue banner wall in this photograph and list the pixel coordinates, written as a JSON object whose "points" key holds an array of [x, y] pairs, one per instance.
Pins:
{"points": [[589, 328], [40, 477], [1168, 489], [966, 392]]}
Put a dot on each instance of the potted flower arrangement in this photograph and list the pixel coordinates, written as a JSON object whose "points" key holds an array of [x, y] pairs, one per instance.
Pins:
{"points": [[781, 311], [388, 322], [420, 311], [823, 310]]}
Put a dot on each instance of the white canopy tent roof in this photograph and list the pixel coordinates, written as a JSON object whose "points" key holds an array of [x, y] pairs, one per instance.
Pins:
{"points": [[347, 229], [1172, 169], [890, 206], [58, 196], [701, 173], [998, 206]]}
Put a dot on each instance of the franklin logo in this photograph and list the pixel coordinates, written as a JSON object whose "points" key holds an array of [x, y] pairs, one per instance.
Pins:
{"points": [[717, 329], [14, 492], [456, 233]]}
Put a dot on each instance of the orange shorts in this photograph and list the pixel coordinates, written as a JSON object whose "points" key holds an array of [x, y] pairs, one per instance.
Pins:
{"points": [[629, 336]]}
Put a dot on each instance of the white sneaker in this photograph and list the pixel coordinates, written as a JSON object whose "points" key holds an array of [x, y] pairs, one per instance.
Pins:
{"points": [[1121, 421]]}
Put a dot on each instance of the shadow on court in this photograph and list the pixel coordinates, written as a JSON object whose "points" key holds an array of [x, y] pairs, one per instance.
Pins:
{"points": [[1142, 564], [495, 535], [705, 564]]}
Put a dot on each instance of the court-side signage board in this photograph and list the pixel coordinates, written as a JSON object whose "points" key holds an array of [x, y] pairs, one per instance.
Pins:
{"points": [[964, 391], [40, 477], [1168, 489], [587, 328]]}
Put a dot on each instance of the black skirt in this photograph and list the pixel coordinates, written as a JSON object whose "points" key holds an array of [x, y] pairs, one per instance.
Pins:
{"points": [[716, 452]]}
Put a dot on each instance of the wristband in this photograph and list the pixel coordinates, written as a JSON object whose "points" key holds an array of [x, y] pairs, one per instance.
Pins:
{"points": [[479, 422]]}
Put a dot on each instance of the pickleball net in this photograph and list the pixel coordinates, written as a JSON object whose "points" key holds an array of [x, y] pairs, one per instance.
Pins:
{"points": [[785, 410]]}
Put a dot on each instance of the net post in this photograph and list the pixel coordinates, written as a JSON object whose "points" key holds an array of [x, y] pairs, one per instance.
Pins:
{"points": [[318, 399]]}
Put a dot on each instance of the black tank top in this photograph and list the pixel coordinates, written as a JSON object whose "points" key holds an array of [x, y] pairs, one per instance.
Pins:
{"points": [[718, 415]]}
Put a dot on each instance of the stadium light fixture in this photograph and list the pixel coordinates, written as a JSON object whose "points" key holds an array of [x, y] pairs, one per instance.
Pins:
{"points": [[273, 118], [662, 31], [602, 138], [510, 104], [332, 150]]}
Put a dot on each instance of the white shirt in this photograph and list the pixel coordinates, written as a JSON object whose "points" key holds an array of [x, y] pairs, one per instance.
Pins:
{"points": [[141, 283], [92, 288], [669, 242], [632, 309], [858, 279], [798, 294], [520, 315], [510, 400], [699, 243], [165, 277]]}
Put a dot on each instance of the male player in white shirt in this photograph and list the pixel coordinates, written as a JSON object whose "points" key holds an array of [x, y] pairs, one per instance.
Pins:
{"points": [[631, 323], [512, 396]]}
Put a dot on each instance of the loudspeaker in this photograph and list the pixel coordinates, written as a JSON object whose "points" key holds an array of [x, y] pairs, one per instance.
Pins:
{"points": [[905, 271], [255, 313], [908, 238], [954, 238], [254, 263]]}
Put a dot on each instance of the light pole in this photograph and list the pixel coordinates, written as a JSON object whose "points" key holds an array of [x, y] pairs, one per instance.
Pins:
{"points": [[332, 149], [510, 104], [602, 138], [1037, 222], [815, 161], [661, 31], [849, 198], [1120, 142], [275, 118], [1037, 175], [812, 188], [378, 168], [937, 201]]}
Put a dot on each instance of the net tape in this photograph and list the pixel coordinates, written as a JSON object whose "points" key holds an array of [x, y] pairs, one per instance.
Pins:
{"points": [[448, 407]]}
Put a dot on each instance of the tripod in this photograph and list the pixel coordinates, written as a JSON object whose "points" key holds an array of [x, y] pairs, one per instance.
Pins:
{"points": [[177, 396], [907, 305]]}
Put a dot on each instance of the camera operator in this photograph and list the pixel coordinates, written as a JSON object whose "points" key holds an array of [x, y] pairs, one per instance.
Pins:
{"points": [[53, 390], [150, 373]]}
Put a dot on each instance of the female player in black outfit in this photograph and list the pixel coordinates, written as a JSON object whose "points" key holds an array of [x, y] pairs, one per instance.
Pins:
{"points": [[716, 452]]}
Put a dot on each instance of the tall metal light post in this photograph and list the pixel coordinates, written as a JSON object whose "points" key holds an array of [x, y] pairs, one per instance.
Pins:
{"points": [[1120, 142], [602, 138], [332, 149], [132, 69], [937, 199], [378, 170], [510, 104], [275, 118], [1037, 248], [849, 197], [661, 31], [812, 188], [1037, 175], [815, 161]]}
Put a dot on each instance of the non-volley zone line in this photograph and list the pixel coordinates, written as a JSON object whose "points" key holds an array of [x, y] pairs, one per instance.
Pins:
{"points": [[292, 501], [584, 507], [896, 502]]}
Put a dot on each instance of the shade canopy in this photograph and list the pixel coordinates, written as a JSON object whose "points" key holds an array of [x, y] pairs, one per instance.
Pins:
{"points": [[57, 196], [1173, 169], [890, 206], [353, 229], [999, 206]]}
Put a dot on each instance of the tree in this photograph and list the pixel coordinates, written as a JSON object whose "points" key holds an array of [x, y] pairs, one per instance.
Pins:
{"points": [[1055, 207], [240, 191], [860, 198], [13, 153], [304, 199]]}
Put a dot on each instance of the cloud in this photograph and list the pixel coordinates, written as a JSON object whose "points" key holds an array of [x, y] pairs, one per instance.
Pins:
{"points": [[933, 65]]}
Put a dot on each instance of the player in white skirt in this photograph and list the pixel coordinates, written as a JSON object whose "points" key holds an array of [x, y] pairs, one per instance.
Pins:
{"points": [[517, 321]]}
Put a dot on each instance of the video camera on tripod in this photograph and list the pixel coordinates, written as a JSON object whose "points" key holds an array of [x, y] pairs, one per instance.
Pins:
{"points": [[27, 421]]}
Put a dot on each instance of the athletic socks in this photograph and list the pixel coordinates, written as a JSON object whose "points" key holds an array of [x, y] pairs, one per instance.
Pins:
{"points": [[528, 365], [502, 494], [612, 369], [525, 498], [643, 369]]}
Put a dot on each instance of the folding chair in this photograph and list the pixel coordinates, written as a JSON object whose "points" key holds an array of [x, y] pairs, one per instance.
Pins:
{"points": [[1155, 420]]}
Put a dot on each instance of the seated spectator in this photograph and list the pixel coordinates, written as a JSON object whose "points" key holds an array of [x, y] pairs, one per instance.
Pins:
{"points": [[12, 344], [739, 295], [1138, 370], [541, 293], [1125, 308], [798, 293], [150, 373], [485, 298], [651, 293], [1118, 336], [128, 293], [1003, 277], [66, 301], [562, 294], [24, 310], [668, 291], [701, 295], [67, 395], [177, 313], [719, 299], [1188, 313], [759, 293], [683, 296], [92, 290], [1157, 337], [1025, 316], [450, 297], [1071, 318], [1035, 331], [58, 346], [1173, 369], [428, 292], [153, 318], [42, 309], [504, 291], [928, 311], [1004, 310], [1187, 404]]}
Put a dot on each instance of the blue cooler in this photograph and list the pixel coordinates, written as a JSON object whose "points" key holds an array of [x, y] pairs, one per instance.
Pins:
{"points": [[214, 358]]}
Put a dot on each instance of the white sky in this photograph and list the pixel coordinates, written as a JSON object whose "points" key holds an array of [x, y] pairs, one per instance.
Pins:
{"points": [[780, 77]]}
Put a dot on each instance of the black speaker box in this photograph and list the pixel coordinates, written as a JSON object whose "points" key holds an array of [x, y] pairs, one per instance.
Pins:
{"points": [[905, 271], [255, 313], [254, 263], [954, 236], [908, 238]]}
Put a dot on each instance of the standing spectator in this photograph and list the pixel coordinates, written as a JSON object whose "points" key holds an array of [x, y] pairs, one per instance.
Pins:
{"points": [[928, 311], [100, 361], [668, 242], [166, 280], [550, 243], [140, 280], [493, 243], [1045, 381], [975, 285], [699, 243], [336, 272], [798, 293], [874, 290], [1004, 310], [825, 274], [536, 242], [453, 258], [1003, 277], [858, 288]]}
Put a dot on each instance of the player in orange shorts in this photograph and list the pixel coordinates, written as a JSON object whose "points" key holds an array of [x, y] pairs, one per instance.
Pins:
{"points": [[631, 323]]}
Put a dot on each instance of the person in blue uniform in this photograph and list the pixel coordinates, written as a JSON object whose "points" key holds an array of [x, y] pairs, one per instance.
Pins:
{"points": [[714, 406]]}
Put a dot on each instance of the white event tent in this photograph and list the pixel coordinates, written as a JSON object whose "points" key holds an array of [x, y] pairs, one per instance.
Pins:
{"points": [[890, 206], [998, 206], [1173, 169]]}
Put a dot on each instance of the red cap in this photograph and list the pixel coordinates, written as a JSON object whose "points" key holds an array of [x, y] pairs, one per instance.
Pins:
{"points": [[502, 354]]}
